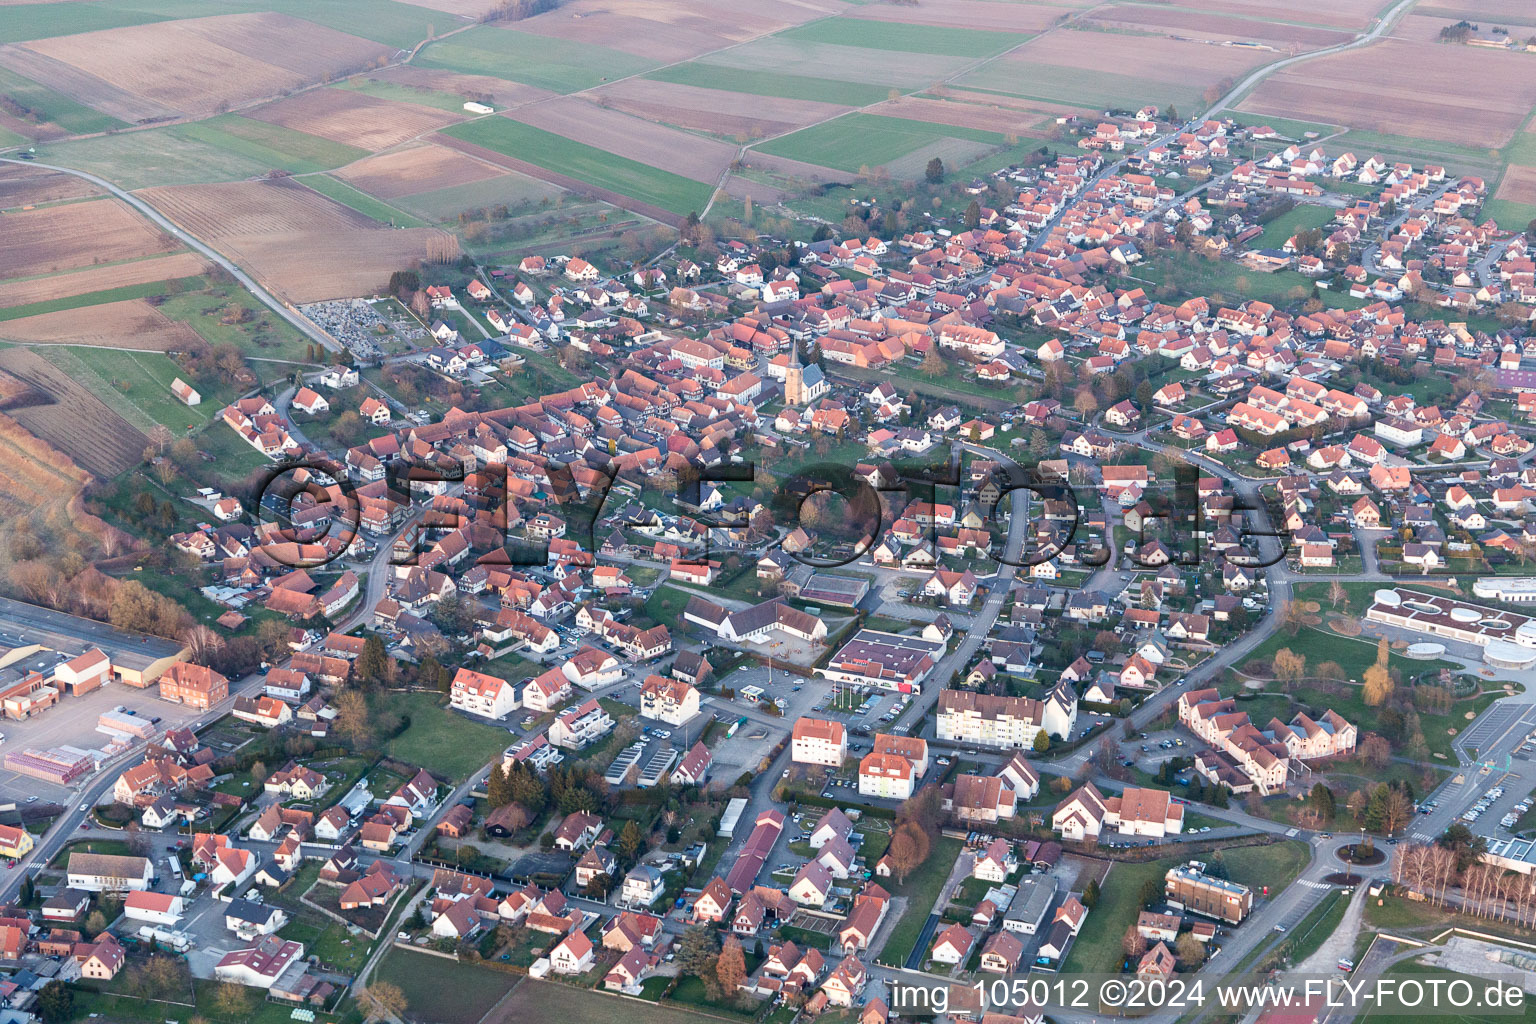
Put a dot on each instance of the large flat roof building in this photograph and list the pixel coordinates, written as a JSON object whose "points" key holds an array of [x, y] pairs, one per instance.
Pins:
{"points": [[889, 661]]}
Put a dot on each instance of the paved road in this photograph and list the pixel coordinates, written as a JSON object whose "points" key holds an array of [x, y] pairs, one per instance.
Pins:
{"points": [[266, 298]]}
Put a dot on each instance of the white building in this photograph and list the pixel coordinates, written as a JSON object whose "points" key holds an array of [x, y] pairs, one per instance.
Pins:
{"points": [[476, 693], [818, 741]]}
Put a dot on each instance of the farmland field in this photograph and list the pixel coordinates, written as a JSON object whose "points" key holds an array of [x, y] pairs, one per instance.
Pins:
{"points": [[362, 202], [1353, 14], [632, 138], [305, 245], [910, 71], [137, 385], [419, 169], [855, 140], [55, 238], [71, 418], [1416, 89], [419, 94], [651, 185], [26, 186], [445, 204], [58, 108], [904, 38], [666, 31], [160, 156], [197, 66], [35, 21], [1101, 69], [271, 144], [758, 82], [554, 64], [91, 286], [1216, 27], [966, 14], [359, 121], [717, 111]]}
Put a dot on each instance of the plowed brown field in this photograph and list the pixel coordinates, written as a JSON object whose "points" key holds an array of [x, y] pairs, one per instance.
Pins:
{"points": [[132, 323], [23, 186], [199, 64], [96, 279], [58, 238], [74, 421], [355, 118], [300, 243], [418, 169]]}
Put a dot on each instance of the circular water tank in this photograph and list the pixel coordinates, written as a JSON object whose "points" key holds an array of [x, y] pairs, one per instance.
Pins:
{"points": [[1425, 651], [1388, 598], [1465, 614]]}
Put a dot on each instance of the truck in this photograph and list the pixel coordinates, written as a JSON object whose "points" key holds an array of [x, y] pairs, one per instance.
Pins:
{"points": [[736, 725], [179, 941]]}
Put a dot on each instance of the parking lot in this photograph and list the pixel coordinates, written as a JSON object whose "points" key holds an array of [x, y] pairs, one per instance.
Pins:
{"points": [[72, 722]]}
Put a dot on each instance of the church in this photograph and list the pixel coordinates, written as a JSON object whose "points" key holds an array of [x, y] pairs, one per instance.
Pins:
{"points": [[803, 384]]}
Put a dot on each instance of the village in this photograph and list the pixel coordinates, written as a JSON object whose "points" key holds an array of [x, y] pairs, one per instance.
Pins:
{"points": [[1120, 576]]}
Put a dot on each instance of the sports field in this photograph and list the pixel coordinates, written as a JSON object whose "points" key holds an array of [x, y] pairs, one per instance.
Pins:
{"points": [[648, 184], [859, 140], [558, 65]]}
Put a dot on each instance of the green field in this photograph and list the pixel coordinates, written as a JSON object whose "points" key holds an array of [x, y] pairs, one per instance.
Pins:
{"points": [[921, 890], [404, 93], [586, 163], [444, 991], [443, 742], [39, 21], [771, 83], [1285, 126], [1287, 224], [9, 138], [559, 65], [160, 156], [905, 38], [264, 335], [1097, 948], [138, 386], [446, 203], [1509, 214], [1275, 865], [362, 202], [55, 106], [858, 140], [127, 291], [271, 144]]}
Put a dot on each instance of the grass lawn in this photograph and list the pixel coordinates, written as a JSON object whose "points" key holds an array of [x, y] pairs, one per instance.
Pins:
{"points": [[904, 38], [137, 385], [446, 744], [1307, 936], [1275, 865], [271, 144], [586, 163], [550, 1001], [921, 890], [1526, 1011], [439, 991], [362, 202], [1234, 282], [1097, 949], [855, 140], [666, 606], [1301, 218], [264, 334], [549, 62], [771, 83], [73, 117]]}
